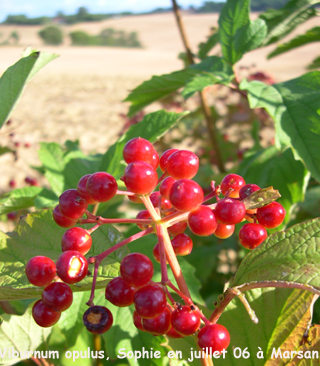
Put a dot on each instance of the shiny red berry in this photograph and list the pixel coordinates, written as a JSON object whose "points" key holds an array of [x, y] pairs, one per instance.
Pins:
{"points": [[102, 186], [77, 239], [185, 320], [202, 221], [72, 205], [137, 321], [164, 158], [186, 195], [248, 189], [251, 235], [159, 325], [43, 315], [182, 164], [82, 190], [119, 292], [182, 244], [231, 185], [156, 253], [136, 269], [97, 319], [165, 187], [57, 296], [229, 211], [224, 231], [62, 220], [143, 215], [172, 333], [139, 149], [150, 301], [72, 267], [271, 216], [40, 271], [213, 338], [140, 177]]}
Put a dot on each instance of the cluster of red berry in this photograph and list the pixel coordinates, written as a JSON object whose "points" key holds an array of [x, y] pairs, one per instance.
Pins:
{"points": [[178, 204]]}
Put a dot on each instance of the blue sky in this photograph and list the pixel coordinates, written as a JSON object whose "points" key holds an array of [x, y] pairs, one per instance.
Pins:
{"points": [[34, 8]]}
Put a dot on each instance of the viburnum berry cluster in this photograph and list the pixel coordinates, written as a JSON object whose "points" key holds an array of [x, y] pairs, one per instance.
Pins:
{"points": [[178, 203]]}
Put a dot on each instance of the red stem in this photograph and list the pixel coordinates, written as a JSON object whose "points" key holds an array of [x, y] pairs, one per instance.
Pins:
{"points": [[163, 258], [101, 221], [185, 298], [125, 193]]}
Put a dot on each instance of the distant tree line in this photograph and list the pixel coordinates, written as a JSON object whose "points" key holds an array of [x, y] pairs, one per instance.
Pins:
{"points": [[53, 35]]}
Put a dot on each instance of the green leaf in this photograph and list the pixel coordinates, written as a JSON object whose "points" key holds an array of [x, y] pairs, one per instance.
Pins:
{"points": [[315, 64], [295, 107], [206, 47], [37, 234], [312, 35], [124, 335], [22, 334], [283, 318], [22, 198], [65, 165], [292, 255], [199, 82], [237, 33], [14, 79], [282, 22], [269, 167], [152, 127], [160, 86]]}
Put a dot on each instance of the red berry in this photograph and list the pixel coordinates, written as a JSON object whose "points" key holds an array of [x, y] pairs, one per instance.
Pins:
{"points": [[11, 216], [43, 315], [251, 235], [40, 271], [271, 216], [72, 205], [119, 292], [229, 211], [57, 296], [137, 321], [72, 267], [140, 177], [61, 220], [143, 215], [102, 186], [139, 149], [12, 183], [77, 239], [165, 187], [231, 185], [185, 321], [177, 228], [186, 195], [136, 269], [158, 325], [202, 221], [248, 189], [164, 158], [150, 301], [224, 231], [98, 319], [213, 337], [173, 334], [182, 164], [82, 190], [182, 244], [155, 197]]}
